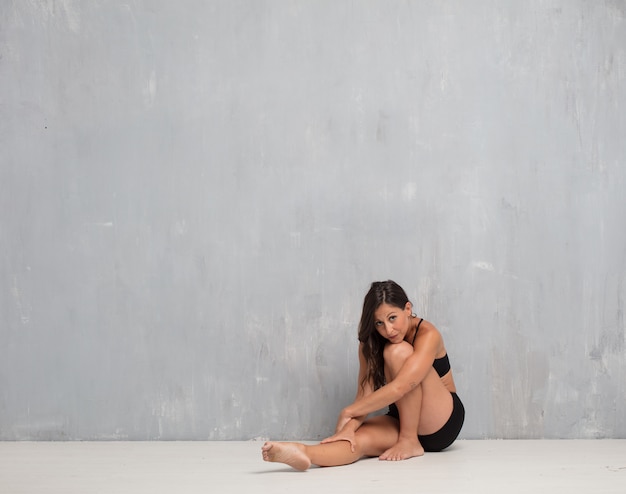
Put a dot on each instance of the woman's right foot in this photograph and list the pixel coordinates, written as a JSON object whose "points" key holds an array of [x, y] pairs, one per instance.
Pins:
{"points": [[291, 454]]}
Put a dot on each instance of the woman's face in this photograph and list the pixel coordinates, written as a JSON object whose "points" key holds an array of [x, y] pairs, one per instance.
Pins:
{"points": [[392, 322]]}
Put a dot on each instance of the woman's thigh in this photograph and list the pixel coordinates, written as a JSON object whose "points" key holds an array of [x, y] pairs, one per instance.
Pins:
{"points": [[377, 435], [436, 406]]}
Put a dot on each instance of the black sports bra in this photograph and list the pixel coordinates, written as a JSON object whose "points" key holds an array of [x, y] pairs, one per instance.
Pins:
{"points": [[442, 364]]}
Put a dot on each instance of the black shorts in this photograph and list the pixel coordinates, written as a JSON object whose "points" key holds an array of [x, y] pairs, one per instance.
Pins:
{"points": [[445, 436]]}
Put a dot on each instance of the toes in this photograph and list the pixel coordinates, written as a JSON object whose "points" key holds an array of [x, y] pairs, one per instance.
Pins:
{"points": [[393, 456]]}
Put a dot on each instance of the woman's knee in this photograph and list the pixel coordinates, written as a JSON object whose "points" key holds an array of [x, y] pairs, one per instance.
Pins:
{"points": [[395, 353]]}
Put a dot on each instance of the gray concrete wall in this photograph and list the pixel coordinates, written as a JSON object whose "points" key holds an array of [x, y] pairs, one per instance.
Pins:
{"points": [[195, 196]]}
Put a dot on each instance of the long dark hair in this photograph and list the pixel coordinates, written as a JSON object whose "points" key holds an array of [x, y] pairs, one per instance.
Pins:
{"points": [[381, 292]]}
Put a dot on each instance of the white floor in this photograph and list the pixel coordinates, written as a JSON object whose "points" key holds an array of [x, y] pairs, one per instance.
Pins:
{"points": [[224, 467]]}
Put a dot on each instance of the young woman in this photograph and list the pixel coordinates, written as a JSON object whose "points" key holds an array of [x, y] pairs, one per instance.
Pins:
{"points": [[404, 365]]}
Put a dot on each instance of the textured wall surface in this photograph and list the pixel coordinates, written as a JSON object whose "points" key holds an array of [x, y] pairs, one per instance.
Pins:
{"points": [[195, 196]]}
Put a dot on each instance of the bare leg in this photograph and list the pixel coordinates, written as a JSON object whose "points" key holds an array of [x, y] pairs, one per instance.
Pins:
{"points": [[372, 438], [409, 407], [408, 444], [301, 456], [424, 410]]}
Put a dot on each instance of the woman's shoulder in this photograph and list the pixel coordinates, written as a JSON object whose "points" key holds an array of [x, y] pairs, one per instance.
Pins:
{"points": [[427, 327], [428, 334]]}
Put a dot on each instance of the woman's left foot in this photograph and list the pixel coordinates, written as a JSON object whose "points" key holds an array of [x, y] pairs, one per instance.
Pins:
{"points": [[403, 450]]}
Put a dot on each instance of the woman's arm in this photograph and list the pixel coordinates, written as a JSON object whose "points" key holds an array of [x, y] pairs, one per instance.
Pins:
{"points": [[410, 376]]}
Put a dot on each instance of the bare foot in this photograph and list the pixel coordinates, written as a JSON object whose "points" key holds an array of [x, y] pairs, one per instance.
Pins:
{"points": [[290, 453], [403, 450]]}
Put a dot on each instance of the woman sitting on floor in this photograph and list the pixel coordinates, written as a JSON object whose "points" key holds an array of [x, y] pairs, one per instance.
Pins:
{"points": [[404, 365]]}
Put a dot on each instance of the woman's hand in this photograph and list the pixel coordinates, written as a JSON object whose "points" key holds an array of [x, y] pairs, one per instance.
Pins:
{"points": [[345, 430], [346, 434]]}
